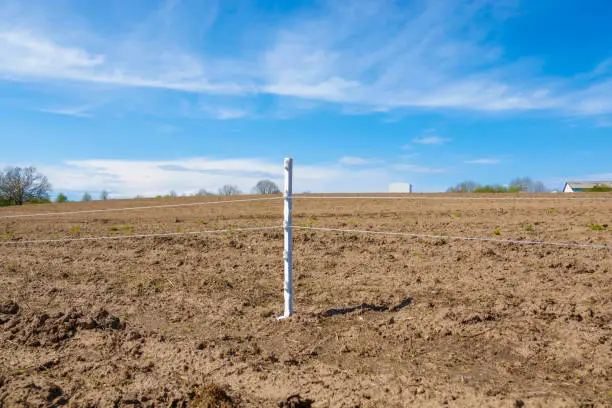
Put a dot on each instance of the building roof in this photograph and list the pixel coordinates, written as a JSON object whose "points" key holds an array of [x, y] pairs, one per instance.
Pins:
{"points": [[588, 184]]}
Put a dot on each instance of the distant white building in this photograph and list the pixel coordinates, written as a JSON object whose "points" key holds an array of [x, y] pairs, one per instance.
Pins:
{"points": [[579, 186], [400, 188]]}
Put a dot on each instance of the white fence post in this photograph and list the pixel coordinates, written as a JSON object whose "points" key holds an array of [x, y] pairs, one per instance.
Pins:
{"points": [[288, 252]]}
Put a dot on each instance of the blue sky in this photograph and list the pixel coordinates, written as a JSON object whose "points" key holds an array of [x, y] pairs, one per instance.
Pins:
{"points": [[146, 96]]}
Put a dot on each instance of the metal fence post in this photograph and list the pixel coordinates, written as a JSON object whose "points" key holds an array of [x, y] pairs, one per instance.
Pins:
{"points": [[288, 251]]}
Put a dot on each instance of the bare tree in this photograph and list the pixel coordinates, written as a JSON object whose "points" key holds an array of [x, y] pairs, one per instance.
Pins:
{"points": [[539, 187], [519, 184], [228, 190], [266, 187], [464, 187], [104, 195], [203, 193], [86, 197], [20, 185], [527, 185]]}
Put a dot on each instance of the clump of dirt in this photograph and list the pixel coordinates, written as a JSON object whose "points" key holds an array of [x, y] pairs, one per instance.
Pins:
{"points": [[213, 396], [296, 401], [477, 319], [9, 308], [41, 394], [40, 329]]}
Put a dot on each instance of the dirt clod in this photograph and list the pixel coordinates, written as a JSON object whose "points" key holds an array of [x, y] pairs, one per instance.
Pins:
{"points": [[296, 401], [213, 396], [54, 392], [9, 307], [37, 329]]}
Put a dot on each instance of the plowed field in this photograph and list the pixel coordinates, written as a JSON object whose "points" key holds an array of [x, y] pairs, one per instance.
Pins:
{"points": [[381, 321]]}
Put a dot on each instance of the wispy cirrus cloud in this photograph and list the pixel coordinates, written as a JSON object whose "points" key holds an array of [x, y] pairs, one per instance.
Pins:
{"points": [[430, 140], [78, 111], [484, 161], [26, 55], [225, 113], [364, 56]]}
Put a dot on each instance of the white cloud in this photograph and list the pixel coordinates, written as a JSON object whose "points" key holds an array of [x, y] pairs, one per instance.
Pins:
{"points": [[357, 161], [430, 140], [365, 56], [79, 111], [384, 56], [222, 113], [408, 156], [484, 161], [603, 68], [128, 178], [26, 55]]}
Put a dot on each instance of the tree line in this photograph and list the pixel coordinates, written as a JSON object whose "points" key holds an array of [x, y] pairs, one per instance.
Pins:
{"points": [[262, 187], [26, 185], [517, 185]]}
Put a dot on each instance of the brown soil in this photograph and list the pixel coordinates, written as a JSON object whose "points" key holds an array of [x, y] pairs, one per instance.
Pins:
{"points": [[189, 321]]}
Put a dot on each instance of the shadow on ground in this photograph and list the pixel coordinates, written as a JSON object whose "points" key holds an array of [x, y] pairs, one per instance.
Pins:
{"points": [[367, 307]]}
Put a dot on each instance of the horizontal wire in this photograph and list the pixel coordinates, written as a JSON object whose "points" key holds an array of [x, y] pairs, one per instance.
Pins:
{"points": [[169, 234], [323, 197], [388, 233], [501, 241], [140, 208]]}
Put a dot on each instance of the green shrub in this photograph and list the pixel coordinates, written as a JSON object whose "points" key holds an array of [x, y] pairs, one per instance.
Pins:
{"points": [[310, 223], [597, 227], [38, 201], [497, 231], [496, 188], [127, 229], [528, 228], [61, 198], [6, 203], [419, 255], [600, 188]]}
